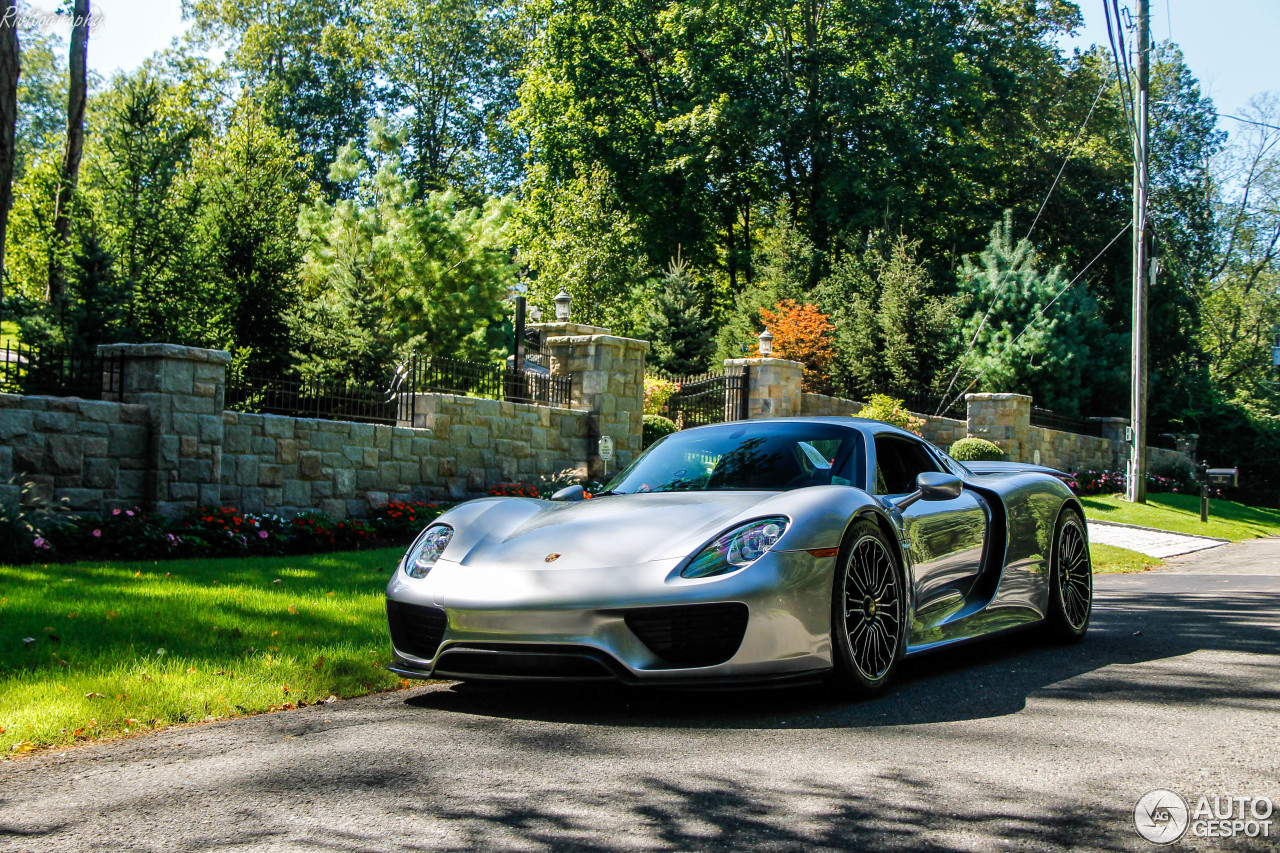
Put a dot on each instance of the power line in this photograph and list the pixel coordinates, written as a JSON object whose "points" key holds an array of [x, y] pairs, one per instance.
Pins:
{"points": [[947, 404], [1043, 204]]}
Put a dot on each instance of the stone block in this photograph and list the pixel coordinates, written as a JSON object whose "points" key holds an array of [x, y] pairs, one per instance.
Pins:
{"points": [[188, 446], [371, 458], [54, 421], [366, 479], [273, 498], [64, 454], [196, 471], [270, 475], [209, 494], [297, 493], [326, 441], [235, 439], [183, 491], [100, 473], [382, 437], [246, 468], [286, 451], [344, 483], [211, 429], [374, 499], [252, 499], [388, 475], [335, 508], [309, 465], [277, 426]]}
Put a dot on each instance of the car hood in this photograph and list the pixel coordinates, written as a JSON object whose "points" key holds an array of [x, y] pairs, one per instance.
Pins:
{"points": [[614, 530]]}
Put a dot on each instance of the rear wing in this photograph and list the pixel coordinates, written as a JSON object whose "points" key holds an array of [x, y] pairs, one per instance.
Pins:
{"points": [[995, 469]]}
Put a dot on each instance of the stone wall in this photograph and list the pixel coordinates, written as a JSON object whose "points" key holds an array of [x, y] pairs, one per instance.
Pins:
{"points": [[459, 447], [91, 453], [943, 432], [820, 405]]}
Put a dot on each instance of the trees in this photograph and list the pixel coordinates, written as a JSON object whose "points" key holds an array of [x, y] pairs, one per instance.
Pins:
{"points": [[77, 95], [9, 64], [1031, 332], [801, 333], [894, 331], [387, 273], [681, 334]]}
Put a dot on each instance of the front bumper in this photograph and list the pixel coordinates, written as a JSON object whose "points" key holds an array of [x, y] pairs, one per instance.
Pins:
{"points": [[579, 624]]}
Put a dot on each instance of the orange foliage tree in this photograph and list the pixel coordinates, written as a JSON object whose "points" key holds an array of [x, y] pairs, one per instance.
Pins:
{"points": [[801, 333]]}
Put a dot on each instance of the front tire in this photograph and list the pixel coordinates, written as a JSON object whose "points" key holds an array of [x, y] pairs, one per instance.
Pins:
{"points": [[868, 612], [1070, 580]]}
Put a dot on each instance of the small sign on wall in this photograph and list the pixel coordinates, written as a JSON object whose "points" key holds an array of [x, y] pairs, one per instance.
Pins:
{"points": [[606, 447]]}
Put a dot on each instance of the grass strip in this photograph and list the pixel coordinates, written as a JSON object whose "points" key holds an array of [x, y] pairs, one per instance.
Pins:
{"points": [[1180, 513], [92, 650], [1108, 559]]}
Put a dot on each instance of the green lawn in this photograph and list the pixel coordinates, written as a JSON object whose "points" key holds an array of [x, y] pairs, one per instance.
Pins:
{"points": [[123, 647], [8, 334], [1181, 514], [1108, 559]]}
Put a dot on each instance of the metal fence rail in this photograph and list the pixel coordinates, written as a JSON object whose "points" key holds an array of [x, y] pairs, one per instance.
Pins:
{"points": [[706, 398], [26, 369], [1065, 423], [325, 399], [491, 381]]}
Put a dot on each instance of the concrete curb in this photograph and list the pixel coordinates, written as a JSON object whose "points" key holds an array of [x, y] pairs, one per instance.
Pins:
{"points": [[1155, 530]]}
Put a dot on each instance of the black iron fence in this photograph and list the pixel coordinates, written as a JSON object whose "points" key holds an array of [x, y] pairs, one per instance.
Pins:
{"points": [[1065, 423], [323, 398], [492, 381], [706, 398], [26, 369]]}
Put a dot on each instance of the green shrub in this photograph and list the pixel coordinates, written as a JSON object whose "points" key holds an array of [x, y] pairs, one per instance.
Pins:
{"points": [[655, 427], [882, 407], [974, 449], [657, 391]]}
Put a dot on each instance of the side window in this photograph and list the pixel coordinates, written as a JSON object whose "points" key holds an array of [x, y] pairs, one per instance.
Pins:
{"points": [[898, 462]]}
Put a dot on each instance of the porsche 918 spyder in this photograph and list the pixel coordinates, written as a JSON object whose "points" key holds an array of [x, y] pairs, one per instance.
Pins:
{"points": [[751, 551]]}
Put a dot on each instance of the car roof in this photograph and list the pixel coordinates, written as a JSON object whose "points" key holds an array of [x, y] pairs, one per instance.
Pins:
{"points": [[863, 425]]}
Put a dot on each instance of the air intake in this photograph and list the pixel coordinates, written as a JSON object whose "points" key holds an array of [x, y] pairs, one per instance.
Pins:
{"points": [[691, 634], [416, 630]]}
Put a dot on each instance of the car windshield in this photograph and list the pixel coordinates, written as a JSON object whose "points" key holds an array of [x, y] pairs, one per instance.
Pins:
{"points": [[746, 456]]}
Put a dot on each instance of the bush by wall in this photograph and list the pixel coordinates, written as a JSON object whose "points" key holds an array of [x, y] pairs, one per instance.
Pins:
{"points": [[974, 449], [656, 426], [882, 407]]}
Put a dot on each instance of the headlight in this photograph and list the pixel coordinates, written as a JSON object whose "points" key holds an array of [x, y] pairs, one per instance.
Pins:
{"points": [[424, 553], [736, 548]]}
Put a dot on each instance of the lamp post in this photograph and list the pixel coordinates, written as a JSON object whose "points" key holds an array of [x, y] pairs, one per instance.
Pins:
{"points": [[563, 301], [766, 343]]}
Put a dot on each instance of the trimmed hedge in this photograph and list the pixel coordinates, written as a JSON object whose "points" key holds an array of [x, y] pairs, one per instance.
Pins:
{"points": [[974, 449], [656, 426]]}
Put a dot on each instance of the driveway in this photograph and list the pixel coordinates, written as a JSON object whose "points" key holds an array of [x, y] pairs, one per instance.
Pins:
{"points": [[1007, 744]]}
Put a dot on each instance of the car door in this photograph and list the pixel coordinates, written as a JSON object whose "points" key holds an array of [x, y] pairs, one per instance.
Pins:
{"points": [[947, 537]]}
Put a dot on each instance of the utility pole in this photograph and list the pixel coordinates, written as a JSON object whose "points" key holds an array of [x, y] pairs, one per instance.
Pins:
{"points": [[1137, 485]]}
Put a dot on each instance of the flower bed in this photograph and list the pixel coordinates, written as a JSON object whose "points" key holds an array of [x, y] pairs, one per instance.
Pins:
{"points": [[207, 531], [1113, 482]]}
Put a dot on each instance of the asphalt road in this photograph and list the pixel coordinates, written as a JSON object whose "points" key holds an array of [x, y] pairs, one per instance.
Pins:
{"points": [[1007, 744]]}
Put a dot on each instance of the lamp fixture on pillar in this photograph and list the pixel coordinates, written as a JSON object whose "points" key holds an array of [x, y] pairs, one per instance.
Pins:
{"points": [[766, 343], [562, 300]]}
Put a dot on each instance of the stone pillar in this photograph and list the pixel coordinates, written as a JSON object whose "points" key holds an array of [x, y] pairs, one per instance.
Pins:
{"points": [[1116, 431], [184, 389], [608, 381], [1004, 419], [773, 386]]}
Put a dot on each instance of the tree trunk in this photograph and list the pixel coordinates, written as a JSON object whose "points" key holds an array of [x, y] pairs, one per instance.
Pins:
{"points": [[75, 148], [8, 118]]}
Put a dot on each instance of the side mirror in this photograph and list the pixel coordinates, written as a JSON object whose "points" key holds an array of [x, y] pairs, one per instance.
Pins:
{"points": [[568, 493], [937, 486], [932, 486]]}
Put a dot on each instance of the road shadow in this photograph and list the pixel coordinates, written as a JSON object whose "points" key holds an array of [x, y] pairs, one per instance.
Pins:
{"points": [[982, 679]]}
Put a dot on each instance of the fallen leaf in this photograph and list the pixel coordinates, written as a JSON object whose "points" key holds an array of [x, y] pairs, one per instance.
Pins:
{"points": [[146, 677], [137, 574], [111, 614], [23, 746], [28, 641], [1, 730], [277, 581], [191, 669], [94, 696], [293, 609], [285, 689], [319, 662], [331, 699], [329, 594], [273, 633], [130, 721], [73, 614]]}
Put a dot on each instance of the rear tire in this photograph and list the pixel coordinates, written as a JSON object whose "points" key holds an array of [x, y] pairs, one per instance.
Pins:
{"points": [[1070, 580], [868, 612]]}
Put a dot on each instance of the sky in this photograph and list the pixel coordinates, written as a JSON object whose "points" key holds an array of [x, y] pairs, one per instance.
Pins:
{"points": [[1229, 44]]}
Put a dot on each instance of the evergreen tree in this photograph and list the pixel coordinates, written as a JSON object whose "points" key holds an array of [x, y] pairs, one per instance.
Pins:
{"points": [[1031, 332], [681, 334]]}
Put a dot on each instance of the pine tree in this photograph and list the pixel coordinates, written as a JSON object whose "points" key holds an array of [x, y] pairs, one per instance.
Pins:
{"points": [[1031, 332], [682, 336]]}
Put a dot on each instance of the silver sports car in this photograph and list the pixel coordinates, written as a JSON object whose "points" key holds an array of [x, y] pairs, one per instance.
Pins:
{"points": [[794, 548]]}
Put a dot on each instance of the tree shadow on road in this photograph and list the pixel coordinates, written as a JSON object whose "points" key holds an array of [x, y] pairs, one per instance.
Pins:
{"points": [[1132, 651]]}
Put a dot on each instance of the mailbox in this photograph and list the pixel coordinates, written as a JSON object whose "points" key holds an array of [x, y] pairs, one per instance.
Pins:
{"points": [[1223, 476]]}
